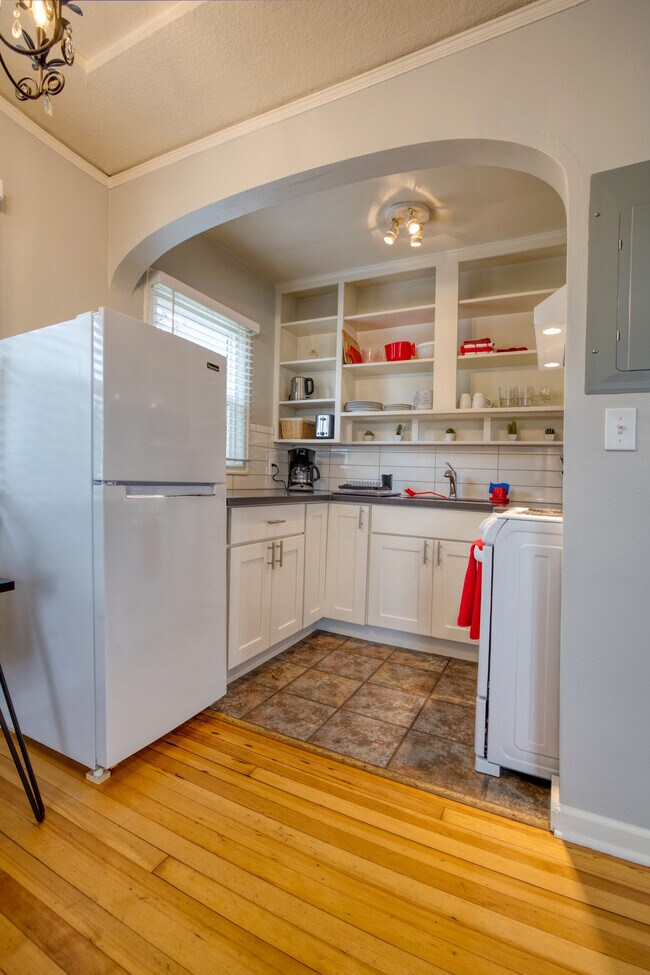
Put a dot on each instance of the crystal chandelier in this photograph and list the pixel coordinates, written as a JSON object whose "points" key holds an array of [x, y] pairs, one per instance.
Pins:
{"points": [[49, 28]]}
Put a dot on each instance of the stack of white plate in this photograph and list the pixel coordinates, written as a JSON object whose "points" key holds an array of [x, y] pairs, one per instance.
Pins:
{"points": [[398, 406], [363, 406]]}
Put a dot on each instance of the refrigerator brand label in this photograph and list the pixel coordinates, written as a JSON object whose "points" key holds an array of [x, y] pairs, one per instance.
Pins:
{"points": [[212, 365]]}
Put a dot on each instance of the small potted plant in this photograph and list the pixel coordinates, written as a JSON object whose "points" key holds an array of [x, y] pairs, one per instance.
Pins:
{"points": [[368, 436], [512, 430], [399, 429], [450, 434], [549, 433]]}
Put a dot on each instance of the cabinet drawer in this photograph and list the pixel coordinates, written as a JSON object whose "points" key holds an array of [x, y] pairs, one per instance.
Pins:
{"points": [[267, 521], [426, 522]]}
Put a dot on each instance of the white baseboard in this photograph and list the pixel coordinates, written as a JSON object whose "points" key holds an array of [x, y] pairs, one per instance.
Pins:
{"points": [[598, 832], [397, 638]]}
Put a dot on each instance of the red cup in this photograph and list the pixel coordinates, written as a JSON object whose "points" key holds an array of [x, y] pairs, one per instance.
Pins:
{"points": [[398, 351]]}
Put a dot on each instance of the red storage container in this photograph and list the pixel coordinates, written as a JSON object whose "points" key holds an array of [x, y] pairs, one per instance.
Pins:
{"points": [[397, 351]]}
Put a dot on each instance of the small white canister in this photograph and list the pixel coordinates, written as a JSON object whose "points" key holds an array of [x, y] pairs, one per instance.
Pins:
{"points": [[423, 399]]}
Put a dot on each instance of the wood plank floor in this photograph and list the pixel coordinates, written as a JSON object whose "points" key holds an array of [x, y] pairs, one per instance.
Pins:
{"points": [[218, 850]]}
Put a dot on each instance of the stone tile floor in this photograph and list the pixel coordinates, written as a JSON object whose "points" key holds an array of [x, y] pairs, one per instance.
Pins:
{"points": [[408, 713]]}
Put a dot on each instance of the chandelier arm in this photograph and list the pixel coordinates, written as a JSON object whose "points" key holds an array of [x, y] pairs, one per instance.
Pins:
{"points": [[37, 51], [20, 92]]}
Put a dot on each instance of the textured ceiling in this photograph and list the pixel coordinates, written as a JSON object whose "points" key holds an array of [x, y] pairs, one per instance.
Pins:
{"points": [[222, 62]]}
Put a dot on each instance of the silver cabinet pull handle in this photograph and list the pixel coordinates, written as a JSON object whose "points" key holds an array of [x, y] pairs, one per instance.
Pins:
{"points": [[271, 548], [360, 517], [280, 543], [424, 555], [439, 553], [276, 521]]}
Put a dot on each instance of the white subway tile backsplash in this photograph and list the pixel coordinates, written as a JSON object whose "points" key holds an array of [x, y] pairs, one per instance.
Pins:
{"points": [[534, 473], [532, 479], [480, 459], [410, 457]]}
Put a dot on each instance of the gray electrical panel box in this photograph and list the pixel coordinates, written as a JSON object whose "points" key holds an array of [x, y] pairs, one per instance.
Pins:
{"points": [[618, 290]]}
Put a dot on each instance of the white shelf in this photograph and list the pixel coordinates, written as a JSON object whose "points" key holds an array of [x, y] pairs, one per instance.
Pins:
{"points": [[379, 414], [324, 364], [449, 443], [320, 440], [506, 304], [310, 326], [371, 320], [498, 360], [301, 404], [398, 367], [460, 414]]}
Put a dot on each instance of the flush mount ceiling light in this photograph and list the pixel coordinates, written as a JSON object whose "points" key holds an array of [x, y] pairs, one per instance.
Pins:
{"points": [[48, 28], [411, 217]]}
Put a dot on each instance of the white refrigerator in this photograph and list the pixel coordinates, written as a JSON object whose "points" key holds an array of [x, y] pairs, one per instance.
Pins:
{"points": [[112, 523]]}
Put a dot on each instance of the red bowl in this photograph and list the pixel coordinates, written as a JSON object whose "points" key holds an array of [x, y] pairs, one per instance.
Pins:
{"points": [[398, 351]]}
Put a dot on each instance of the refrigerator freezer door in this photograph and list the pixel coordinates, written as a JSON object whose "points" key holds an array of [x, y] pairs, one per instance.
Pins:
{"points": [[160, 613], [159, 405]]}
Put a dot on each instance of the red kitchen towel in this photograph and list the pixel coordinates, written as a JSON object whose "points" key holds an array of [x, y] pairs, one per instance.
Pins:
{"points": [[469, 613]]}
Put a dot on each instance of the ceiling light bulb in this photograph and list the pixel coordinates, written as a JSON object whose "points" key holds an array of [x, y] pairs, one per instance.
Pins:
{"points": [[551, 365], [391, 235], [551, 330], [416, 239], [413, 225], [40, 13]]}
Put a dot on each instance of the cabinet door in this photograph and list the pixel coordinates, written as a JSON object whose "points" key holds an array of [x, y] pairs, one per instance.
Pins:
{"points": [[347, 562], [249, 601], [315, 562], [448, 578], [401, 580], [287, 578]]}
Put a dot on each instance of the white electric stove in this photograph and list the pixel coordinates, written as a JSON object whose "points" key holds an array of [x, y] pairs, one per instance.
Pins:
{"points": [[517, 704]]}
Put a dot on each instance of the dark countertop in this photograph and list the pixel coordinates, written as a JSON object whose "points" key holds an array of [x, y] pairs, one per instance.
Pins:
{"points": [[280, 497]]}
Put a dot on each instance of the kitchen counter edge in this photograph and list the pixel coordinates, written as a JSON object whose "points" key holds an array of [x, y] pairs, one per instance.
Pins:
{"points": [[244, 501]]}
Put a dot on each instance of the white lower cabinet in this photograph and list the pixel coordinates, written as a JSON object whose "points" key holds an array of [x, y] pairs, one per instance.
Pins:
{"points": [[265, 596], [315, 562], [401, 581], [415, 585], [347, 562], [448, 578]]}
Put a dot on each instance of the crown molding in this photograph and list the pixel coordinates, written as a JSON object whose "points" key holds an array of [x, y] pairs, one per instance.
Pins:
{"points": [[49, 140], [172, 12], [511, 245], [539, 10]]}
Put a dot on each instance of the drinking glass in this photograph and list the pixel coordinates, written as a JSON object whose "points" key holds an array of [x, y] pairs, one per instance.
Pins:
{"points": [[505, 396], [526, 394]]}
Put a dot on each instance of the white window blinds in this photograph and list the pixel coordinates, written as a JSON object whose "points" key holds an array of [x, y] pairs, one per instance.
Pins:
{"points": [[177, 312]]}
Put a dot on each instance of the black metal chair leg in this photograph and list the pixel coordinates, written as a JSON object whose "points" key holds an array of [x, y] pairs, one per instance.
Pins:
{"points": [[25, 771]]}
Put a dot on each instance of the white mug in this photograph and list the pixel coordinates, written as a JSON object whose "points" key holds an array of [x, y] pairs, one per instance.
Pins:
{"points": [[465, 401], [481, 402]]}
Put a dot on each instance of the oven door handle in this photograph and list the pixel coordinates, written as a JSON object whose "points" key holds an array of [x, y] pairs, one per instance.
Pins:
{"points": [[478, 554]]}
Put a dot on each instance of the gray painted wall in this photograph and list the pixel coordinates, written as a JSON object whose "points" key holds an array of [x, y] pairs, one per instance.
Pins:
{"points": [[53, 235]]}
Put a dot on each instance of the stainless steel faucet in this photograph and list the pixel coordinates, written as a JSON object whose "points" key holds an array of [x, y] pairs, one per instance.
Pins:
{"points": [[451, 474]]}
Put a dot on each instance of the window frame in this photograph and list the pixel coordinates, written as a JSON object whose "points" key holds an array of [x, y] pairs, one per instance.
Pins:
{"points": [[155, 277]]}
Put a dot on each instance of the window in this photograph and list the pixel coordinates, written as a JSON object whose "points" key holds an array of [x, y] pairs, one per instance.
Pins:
{"points": [[177, 308]]}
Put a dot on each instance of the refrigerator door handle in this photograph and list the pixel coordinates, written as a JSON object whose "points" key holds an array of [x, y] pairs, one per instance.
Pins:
{"points": [[168, 491]]}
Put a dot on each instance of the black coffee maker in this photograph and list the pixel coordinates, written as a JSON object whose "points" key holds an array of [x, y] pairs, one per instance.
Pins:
{"points": [[302, 470]]}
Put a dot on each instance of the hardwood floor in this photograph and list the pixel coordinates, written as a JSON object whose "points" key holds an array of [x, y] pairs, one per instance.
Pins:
{"points": [[218, 850]]}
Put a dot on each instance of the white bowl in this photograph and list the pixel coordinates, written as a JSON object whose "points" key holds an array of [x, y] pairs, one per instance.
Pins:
{"points": [[424, 350]]}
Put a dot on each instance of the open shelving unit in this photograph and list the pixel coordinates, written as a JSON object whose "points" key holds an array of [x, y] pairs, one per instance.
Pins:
{"points": [[494, 295]]}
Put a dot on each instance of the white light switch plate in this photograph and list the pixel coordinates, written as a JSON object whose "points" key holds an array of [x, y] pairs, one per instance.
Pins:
{"points": [[620, 429]]}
